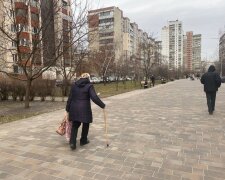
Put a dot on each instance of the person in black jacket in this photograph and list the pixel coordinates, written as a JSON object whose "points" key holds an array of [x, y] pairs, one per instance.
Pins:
{"points": [[153, 80], [212, 82], [79, 108]]}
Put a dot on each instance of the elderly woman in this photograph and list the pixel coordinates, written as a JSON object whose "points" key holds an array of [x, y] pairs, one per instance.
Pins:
{"points": [[79, 108]]}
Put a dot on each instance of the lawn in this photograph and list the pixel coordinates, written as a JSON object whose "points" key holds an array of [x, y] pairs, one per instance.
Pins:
{"points": [[14, 110], [110, 89]]}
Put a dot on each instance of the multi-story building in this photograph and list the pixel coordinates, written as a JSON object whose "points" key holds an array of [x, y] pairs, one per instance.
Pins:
{"points": [[108, 27], [192, 52], [196, 57], [165, 43], [222, 54], [188, 51], [39, 27], [158, 53], [106, 30], [57, 35], [175, 45]]}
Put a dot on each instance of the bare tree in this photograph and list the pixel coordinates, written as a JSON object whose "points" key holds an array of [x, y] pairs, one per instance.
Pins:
{"points": [[77, 55], [36, 37], [103, 60], [147, 49]]}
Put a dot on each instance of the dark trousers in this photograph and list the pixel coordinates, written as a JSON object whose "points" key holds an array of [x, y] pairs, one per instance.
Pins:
{"points": [[211, 99], [74, 130], [153, 83]]}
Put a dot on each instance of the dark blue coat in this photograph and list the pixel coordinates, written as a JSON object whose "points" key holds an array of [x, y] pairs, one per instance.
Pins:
{"points": [[211, 80], [79, 105]]}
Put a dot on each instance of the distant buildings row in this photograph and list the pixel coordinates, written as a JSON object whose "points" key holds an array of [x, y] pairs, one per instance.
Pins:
{"points": [[178, 50], [108, 27], [181, 51]]}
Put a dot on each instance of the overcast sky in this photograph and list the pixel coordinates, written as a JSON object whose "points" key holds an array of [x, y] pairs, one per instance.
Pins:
{"points": [[206, 17]]}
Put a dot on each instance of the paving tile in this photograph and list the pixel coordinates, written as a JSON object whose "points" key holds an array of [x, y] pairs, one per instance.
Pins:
{"points": [[162, 133]]}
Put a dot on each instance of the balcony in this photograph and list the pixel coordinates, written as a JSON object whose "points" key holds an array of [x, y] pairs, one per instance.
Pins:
{"points": [[21, 20], [21, 5], [34, 10], [24, 49], [24, 35], [34, 23]]}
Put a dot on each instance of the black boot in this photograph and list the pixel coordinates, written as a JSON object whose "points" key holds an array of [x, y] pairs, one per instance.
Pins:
{"points": [[73, 136], [84, 140]]}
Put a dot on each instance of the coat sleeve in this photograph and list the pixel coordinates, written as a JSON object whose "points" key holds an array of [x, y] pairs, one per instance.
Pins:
{"points": [[95, 98], [218, 80], [69, 101]]}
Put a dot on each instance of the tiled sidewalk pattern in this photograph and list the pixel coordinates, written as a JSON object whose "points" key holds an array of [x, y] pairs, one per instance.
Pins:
{"points": [[160, 133]]}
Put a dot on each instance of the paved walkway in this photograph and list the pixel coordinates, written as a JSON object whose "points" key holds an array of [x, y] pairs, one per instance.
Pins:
{"points": [[160, 133]]}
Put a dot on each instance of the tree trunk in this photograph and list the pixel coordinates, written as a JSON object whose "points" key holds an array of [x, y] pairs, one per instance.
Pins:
{"points": [[117, 84], [27, 96]]}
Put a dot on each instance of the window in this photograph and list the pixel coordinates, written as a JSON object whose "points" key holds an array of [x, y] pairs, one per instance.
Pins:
{"points": [[106, 41], [12, 13], [21, 12], [34, 17], [21, 27], [106, 20], [15, 69], [106, 34], [107, 13], [13, 27], [15, 57], [23, 42], [14, 44], [34, 30], [34, 3]]}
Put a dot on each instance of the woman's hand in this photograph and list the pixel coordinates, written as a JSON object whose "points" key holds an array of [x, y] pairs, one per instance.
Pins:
{"points": [[67, 116]]}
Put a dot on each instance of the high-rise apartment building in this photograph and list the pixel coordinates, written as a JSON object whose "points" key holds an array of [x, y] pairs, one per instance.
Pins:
{"points": [[188, 51], [175, 45], [165, 43], [222, 53], [192, 52], [196, 63], [40, 25], [106, 30], [109, 28]]}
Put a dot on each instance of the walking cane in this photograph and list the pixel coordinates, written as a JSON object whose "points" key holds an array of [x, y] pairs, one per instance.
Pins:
{"points": [[106, 128]]}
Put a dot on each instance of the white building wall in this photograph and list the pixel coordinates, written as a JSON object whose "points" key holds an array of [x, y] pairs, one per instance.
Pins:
{"points": [[175, 45], [165, 43]]}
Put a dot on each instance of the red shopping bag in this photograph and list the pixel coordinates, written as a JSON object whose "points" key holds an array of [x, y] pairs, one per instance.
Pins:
{"points": [[62, 127]]}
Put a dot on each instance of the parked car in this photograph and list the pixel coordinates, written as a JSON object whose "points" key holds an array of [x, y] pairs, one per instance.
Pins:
{"points": [[163, 81], [58, 83], [95, 80]]}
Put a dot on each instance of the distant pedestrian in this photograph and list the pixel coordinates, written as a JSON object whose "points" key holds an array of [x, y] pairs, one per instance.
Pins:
{"points": [[198, 76], [78, 108], [153, 80], [212, 82]]}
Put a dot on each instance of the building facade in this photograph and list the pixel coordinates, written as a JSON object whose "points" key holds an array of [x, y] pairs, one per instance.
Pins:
{"points": [[34, 27], [222, 54], [165, 43], [192, 52], [196, 57], [108, 27], [175, 45], [106, 30]]}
